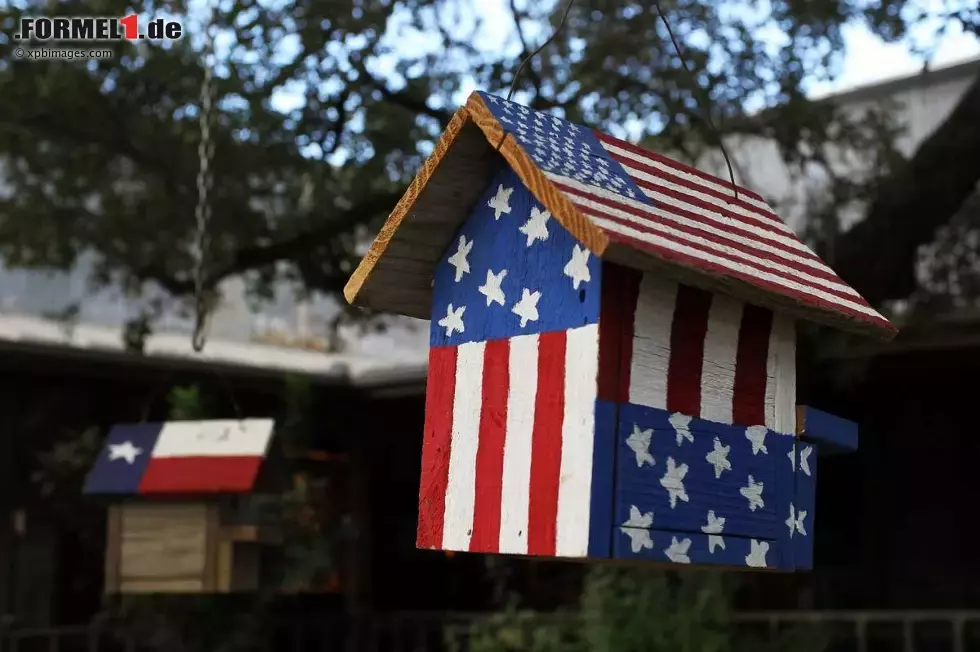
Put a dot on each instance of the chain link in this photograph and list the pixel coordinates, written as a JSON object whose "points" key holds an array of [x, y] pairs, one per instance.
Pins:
{"points": [[205, 183]]}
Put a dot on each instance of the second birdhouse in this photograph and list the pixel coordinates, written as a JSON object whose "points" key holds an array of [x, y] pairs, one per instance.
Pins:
{"points": [[175, 523], [612, 364]]}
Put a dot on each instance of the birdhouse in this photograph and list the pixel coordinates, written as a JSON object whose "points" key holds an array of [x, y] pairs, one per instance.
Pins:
{"points": [[612, 349], [175, 523]]}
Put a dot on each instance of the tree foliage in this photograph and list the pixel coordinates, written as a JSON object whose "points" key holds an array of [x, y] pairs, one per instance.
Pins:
{"points": [[326, 108]]}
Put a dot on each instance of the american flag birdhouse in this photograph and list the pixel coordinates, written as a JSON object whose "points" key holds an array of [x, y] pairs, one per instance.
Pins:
{"points": [[612, 352], [177, 489]]}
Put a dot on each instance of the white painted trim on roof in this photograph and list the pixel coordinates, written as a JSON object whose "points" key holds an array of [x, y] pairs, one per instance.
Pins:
{"points": [[353, 369]]}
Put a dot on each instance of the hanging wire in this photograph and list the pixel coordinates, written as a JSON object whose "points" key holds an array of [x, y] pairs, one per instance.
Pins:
{"points": [[205, 182], [527, 59], [707, 97]]}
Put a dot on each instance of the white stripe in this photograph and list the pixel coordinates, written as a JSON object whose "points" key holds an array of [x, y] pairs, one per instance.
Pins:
{"points": [[577, 441], [783, 342], [461, 487], [771, 380], [693, 179], [803, 255], [651, 341], [224, 438], [752, 272], [516, 481], [720, 351], [721, 248]]}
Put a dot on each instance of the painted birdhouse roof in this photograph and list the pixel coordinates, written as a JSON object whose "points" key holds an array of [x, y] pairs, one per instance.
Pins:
{"points": [[624, 203], [181, 458]]}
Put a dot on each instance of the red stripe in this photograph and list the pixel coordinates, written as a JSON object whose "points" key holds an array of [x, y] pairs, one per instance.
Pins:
{"points": [[546, 440], [630, 293], [171, 475], [620, 286], [749, 396], [437, 439], [675, 164], [702, 265], [490, 451], [687, 332], [825, 273]]}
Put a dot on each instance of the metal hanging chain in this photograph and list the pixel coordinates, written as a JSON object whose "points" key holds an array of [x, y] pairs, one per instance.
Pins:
{"points": [[205, 183]]}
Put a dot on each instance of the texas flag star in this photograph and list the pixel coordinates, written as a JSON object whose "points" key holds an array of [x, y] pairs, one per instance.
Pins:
{"points": [[124, 451]]}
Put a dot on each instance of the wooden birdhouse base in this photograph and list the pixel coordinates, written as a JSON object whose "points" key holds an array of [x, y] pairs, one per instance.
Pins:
{"points": [[180, 547]]}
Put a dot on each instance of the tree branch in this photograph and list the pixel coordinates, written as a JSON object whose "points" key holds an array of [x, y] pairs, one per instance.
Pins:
{"points": [[878, 255]]}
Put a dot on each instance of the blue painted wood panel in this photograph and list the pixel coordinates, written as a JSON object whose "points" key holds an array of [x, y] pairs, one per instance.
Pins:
{"points": [[804, 506], [695, 548], [603, 463], [512, 269], [833, 433], [683, 470]]}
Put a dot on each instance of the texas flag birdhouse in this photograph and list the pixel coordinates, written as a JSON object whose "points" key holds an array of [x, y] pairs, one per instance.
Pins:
{"points": [[612, 364], [174, 525]]}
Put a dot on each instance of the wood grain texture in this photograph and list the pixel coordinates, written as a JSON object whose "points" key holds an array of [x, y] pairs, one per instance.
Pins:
{"points": [[703, 354], [163, 542], [113, 552], [396, 273]]}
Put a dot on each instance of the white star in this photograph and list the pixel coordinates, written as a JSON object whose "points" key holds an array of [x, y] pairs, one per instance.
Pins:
{"points": [[577, 268], [757, 435], [491, 289], [500, 202], [124, 451], [718, 458], [805, 459], [757, 554], [680, 422], [458, 259], [792, 456], [673, 482], [453, 321], [637, 528], [753, 494], [492, 98], [713, 529], [795, 522], [677, 552], [536, 228], [639, 443], [527, 307]]}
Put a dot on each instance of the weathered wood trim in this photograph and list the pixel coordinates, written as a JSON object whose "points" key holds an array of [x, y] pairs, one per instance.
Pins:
{"points": [[560, 207], [113, 549], [402, 208], [212, 572]]}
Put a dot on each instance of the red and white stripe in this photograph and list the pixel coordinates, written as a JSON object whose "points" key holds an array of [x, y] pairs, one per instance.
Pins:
{"points": [[507, 453], [710, 356], [695, 220]]}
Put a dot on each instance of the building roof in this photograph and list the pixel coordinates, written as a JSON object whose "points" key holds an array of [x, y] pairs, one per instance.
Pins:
{"points": [[626, 204]]}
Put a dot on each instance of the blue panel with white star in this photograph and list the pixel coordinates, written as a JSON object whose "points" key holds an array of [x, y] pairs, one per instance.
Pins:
{"points": [[512, 269], [562, 147], [123, 459], [804, 505], [692, 466], [695, 548]]}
